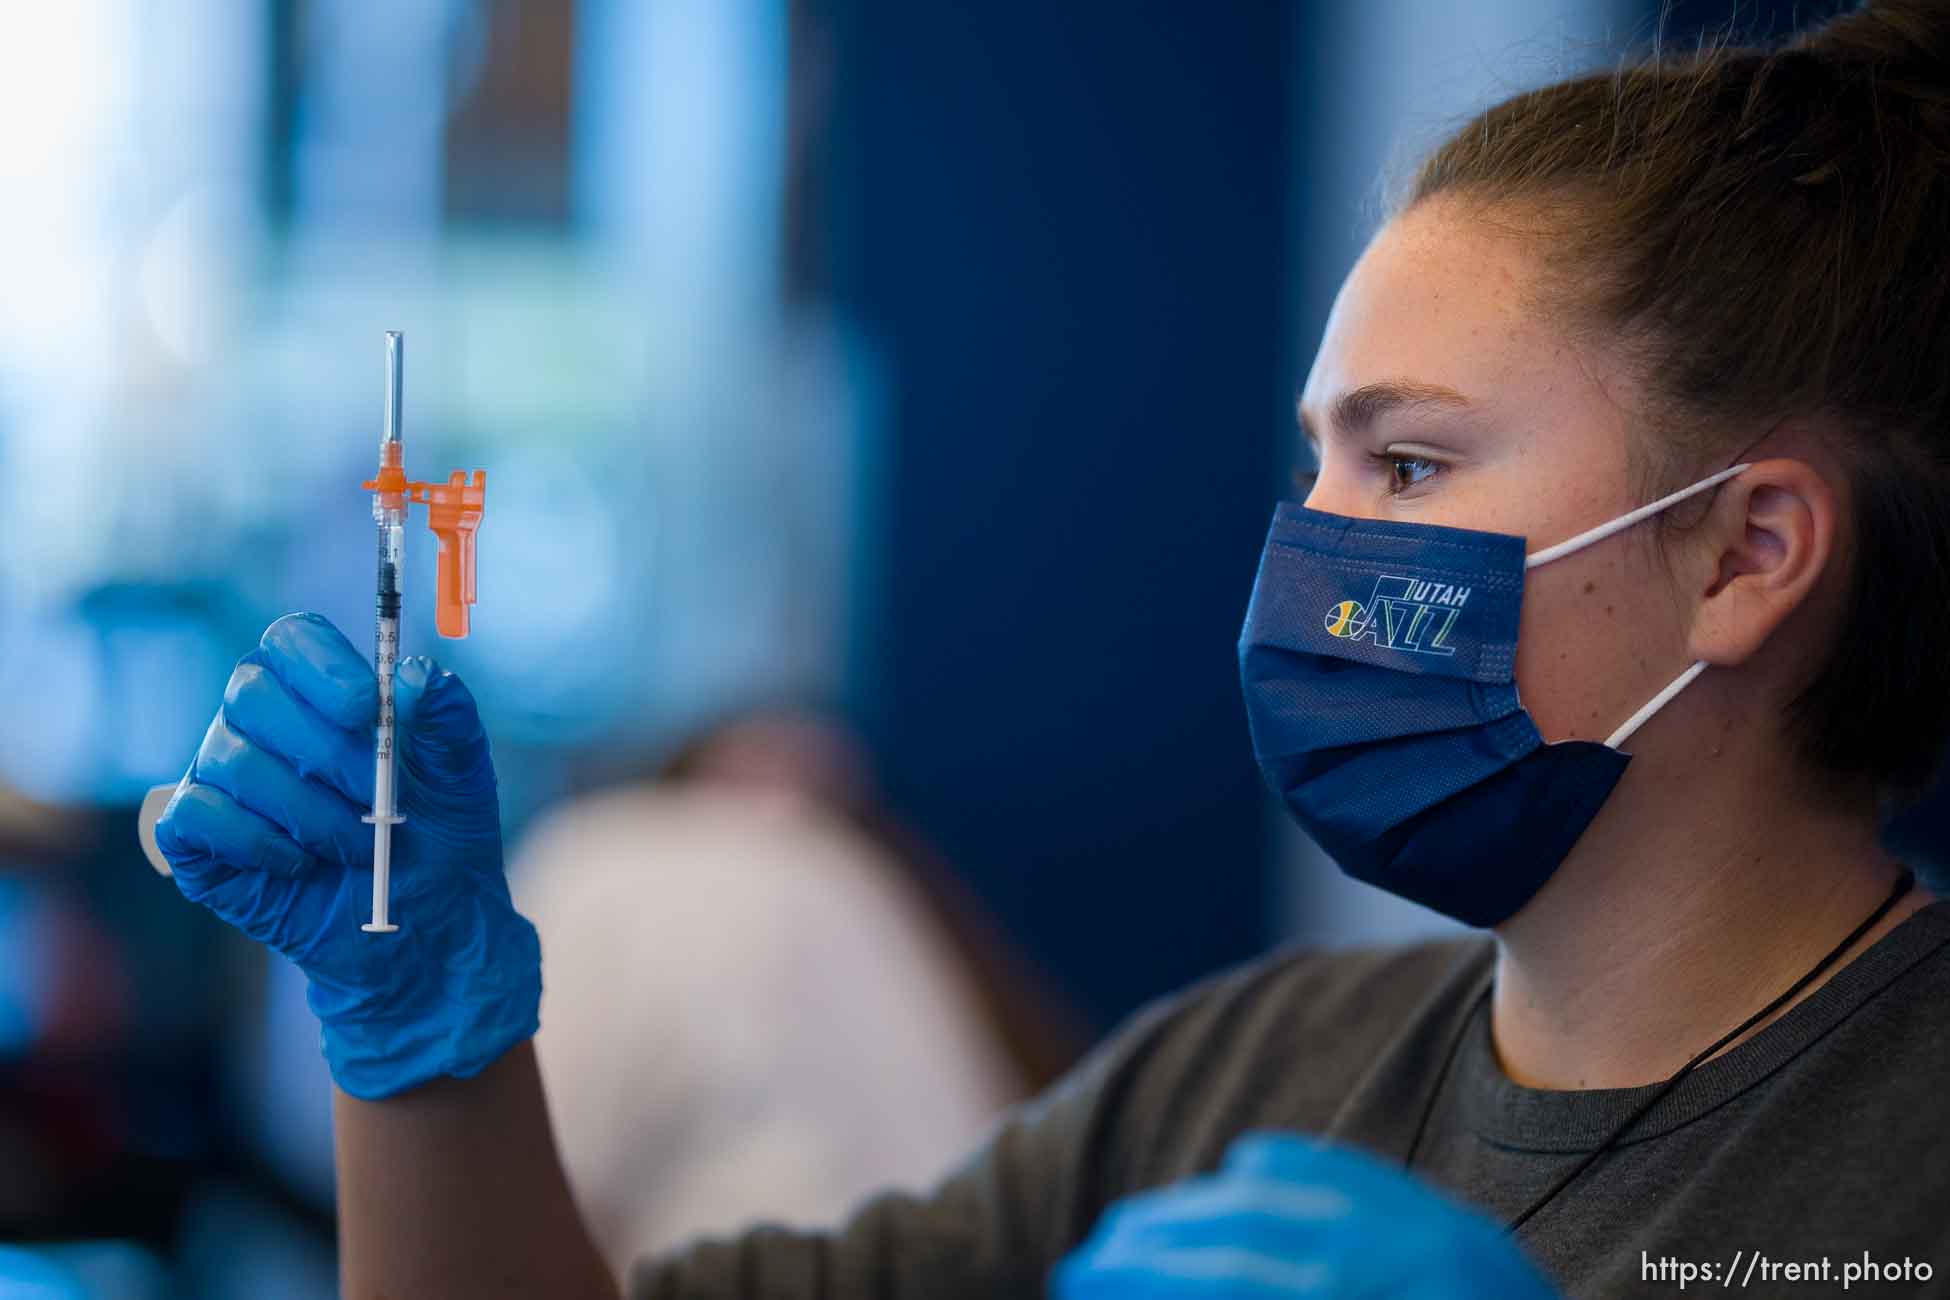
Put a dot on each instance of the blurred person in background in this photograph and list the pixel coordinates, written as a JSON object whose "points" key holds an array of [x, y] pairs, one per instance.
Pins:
{"points": [[1708, 1015], [124, 1167], [68, 1048], [765, 989]]}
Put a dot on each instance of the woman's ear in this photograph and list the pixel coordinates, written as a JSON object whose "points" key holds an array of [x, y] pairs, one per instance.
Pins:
{"points": [[1762, 549]]}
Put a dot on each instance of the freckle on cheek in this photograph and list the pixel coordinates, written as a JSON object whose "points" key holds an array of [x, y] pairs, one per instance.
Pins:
{"points": [[1590, 587], [1608, 611]]}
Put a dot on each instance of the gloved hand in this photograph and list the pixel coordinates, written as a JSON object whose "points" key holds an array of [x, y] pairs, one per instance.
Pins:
{"points": [[1288, 1217], [265, 831]]}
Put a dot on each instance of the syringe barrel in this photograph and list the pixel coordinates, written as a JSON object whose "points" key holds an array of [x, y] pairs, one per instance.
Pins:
{"points": [[392, 557], [383, 796]]}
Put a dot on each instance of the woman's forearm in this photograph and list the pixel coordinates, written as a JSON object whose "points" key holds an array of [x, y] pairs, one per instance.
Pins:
{"points": [[455, 1189]]}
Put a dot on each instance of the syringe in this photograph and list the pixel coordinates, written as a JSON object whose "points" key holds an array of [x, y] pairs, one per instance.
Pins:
{"points": [[454, 513], [389, 512], [454, 510]]}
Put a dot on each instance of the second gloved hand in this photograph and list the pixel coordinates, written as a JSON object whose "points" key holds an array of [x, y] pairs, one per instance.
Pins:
{"points": [[265, 831], [1286, 1218]]}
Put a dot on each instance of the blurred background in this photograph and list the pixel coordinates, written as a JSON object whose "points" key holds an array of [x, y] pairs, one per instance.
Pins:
{"points": [[882, 402]]}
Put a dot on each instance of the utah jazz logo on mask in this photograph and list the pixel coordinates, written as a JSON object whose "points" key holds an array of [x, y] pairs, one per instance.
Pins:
{"points": [[1409, 614]]}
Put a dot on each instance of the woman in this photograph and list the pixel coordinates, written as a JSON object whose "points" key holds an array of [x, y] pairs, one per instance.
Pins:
{"points": [[1702, 1039]]}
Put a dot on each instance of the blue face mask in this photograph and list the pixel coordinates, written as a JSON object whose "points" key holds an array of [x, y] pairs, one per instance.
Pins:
{"points": [[1379, 665]]}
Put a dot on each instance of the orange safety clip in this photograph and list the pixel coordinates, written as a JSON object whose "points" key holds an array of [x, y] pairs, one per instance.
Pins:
{"points": [[454, 510]]}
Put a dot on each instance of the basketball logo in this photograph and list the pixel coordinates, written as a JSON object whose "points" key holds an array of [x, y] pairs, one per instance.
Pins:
{"points": [[1412, 614], [1344, 619]]}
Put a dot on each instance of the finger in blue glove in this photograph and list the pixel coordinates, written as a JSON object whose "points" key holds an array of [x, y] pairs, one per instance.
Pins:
{"points": [[1289, 1217]]}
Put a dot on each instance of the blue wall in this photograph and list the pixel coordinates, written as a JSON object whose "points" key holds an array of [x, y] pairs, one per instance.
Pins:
{"points": [[1064, 225]]}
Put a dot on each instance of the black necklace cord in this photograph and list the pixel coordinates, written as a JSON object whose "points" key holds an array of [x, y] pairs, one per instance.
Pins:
{"points": [[1904, 884]]}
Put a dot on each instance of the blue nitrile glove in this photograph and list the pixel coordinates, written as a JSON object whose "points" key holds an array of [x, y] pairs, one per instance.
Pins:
{"points": [[264, 830], [1288, 1217]]}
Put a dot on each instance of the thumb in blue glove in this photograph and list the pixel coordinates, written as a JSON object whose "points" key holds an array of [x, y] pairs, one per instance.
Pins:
{"points": [[1287, 1217], [265, 831]]}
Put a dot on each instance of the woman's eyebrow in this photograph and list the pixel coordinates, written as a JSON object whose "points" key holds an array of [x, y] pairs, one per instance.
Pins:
{"points": [[1358, 408]]}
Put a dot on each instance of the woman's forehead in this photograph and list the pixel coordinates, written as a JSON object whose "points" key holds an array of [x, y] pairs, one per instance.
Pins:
{"points": [[1442, 300]]}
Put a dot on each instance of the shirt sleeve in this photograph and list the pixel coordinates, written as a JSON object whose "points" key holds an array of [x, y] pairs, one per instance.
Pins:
{"points": [[993, 1228], [1281, 1043]]}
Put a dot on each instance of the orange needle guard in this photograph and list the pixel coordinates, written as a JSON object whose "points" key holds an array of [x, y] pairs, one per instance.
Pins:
{"points": [[454, 510]]}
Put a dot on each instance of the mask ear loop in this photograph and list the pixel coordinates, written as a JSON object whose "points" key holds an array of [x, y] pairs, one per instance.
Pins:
{"points": [[1625, 521], [1654, 704]]}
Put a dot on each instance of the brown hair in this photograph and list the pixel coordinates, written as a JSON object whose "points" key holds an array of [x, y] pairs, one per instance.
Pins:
{"points": [[1766, 230]]}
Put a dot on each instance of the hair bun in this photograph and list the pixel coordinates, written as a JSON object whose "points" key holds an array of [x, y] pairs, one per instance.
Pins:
{"points": [[1908, 37]]}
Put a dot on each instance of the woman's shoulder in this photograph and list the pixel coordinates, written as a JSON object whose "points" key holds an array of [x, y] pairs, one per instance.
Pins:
{"points": [[1349, 986], [1279, 1043], [1351, 993]]}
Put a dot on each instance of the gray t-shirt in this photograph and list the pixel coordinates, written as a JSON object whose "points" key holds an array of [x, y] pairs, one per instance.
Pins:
{"points": [[1819, 1141]]}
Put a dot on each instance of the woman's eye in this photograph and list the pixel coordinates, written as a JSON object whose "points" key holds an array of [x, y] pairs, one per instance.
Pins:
{"points": [[1405, 472]]}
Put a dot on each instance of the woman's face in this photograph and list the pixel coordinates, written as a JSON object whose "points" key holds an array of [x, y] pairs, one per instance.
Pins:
{"points": [[1442, 395]]}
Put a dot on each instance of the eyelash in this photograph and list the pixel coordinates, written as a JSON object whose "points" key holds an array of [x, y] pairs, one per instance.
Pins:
{"points": [[1304, 479], [1392, 461]]}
